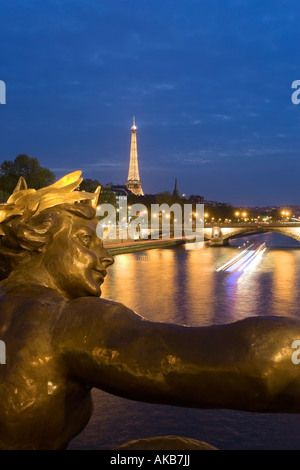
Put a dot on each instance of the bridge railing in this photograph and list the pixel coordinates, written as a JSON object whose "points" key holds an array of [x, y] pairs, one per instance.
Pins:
{"points": [[252, 224]]}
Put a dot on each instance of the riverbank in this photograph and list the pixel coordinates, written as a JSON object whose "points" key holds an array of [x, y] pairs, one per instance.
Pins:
{"points": [[141, 245]]}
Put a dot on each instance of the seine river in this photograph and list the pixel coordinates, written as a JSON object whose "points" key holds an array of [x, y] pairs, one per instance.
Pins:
{"points": [[183, 286]]}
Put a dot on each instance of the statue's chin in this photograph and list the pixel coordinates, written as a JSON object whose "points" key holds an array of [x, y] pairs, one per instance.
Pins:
{"points": [[89, 289], [93, 291]]}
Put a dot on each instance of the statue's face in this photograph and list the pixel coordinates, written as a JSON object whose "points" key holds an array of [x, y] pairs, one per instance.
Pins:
{"points": [[76, 259]]}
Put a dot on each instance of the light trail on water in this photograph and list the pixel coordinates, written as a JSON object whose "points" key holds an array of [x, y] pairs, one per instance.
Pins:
{"points": [[244, 259]]}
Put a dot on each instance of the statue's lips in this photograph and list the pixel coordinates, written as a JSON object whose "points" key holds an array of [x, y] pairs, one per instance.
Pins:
{"points": [[100, 274]]}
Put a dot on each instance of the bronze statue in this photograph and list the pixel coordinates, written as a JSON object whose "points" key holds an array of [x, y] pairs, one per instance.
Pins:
{"points": [[62, 339]]}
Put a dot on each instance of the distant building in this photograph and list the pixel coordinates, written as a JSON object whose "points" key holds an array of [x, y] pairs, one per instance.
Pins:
{"points": [[176, 192], [196, 199], [118, 189], [215, 203]]}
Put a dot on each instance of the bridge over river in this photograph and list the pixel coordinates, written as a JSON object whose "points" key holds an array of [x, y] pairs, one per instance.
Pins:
{"points": [[220, 234]]}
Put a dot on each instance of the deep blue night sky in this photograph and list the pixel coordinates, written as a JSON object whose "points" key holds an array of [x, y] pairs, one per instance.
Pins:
{"points": [[209, 82]]}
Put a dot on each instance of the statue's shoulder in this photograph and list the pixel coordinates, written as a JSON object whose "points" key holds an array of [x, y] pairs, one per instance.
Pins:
{"points": [[31, 298], [95, 312], [88, 320], [95, 306]]}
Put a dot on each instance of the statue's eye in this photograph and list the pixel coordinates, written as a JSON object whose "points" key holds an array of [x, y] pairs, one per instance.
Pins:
{"points": [[85, 239]]}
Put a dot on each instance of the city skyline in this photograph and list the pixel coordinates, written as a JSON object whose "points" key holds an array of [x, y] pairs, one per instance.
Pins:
{"points": [[210, 86]]}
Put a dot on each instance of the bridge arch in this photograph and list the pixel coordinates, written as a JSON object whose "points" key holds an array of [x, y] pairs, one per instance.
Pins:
{"points": [[220, 235]]}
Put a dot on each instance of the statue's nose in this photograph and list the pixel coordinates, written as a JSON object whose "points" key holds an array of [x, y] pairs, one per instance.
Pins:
{"points": [[106, 258]]}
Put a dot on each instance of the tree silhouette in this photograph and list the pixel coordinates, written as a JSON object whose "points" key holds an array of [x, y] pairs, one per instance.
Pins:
{"points": [[36, 176]]}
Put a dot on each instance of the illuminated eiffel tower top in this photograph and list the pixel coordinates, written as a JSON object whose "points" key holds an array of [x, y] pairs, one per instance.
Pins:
{"points": [[133, 180]]}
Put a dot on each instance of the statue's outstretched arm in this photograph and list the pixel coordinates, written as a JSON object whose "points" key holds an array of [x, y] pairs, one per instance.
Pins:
{"points": [[245, 365]]}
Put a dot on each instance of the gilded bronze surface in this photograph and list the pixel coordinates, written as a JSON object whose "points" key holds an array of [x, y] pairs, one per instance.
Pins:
{"points": [[62, 339]]}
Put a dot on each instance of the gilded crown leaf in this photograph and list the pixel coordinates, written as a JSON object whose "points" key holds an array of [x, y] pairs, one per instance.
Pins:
{"points": [[30, 202]]}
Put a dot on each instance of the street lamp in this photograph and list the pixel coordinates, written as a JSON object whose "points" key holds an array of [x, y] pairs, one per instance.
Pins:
{"points": [[285, 213]]}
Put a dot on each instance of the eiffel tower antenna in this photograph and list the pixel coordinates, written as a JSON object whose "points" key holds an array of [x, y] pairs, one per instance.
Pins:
{"points": [[133, 181]]}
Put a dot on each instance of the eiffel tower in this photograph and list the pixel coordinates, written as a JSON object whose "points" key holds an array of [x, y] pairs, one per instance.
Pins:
{"points": [[133, 181]]}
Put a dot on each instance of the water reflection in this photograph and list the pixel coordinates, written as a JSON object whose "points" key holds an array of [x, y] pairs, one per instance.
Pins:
{"points": [[284, 279], [179, 286], [200, 286]]}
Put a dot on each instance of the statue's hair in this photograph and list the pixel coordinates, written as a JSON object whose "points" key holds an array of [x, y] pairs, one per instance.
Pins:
{"points": [[22, 239], [29, 219], [28, 203]]}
